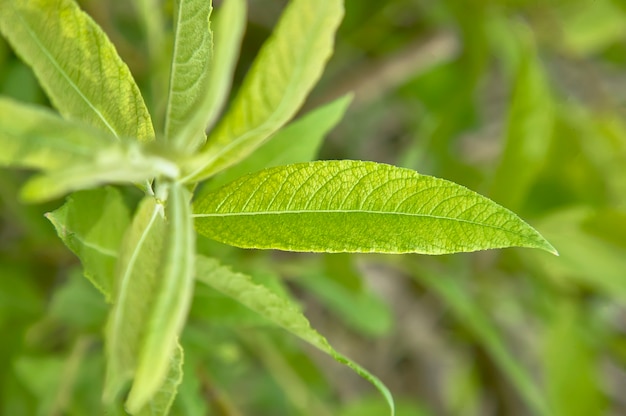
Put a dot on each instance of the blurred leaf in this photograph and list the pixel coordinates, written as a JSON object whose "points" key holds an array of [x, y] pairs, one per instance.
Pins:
{"points": [[571, 365], [589, 27], [126, 163], [77, 65], [33, 137], [607, 224], [286, 69], [42, 376], [360, 310], [276, 309], [351, 206], [78, 295], [472, 317], [297, 390], [92, 224], [189, 73], [528, 131], [298, 142], [373, 406], [585, 259]]}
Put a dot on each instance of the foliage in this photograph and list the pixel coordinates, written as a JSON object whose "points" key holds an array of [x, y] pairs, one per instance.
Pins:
{"points": [[161, 325]]}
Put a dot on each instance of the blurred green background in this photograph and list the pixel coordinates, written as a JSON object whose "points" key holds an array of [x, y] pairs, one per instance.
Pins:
{"points": [[520, 100]]}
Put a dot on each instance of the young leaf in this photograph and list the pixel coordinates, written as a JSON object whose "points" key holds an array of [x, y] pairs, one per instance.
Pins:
{"points": [[296, 143], [229, 26], [120, 163], [92, 225], [32, 137], [353, 206], [77, 65], [288, 66], [136, 280], [170, 301], [276, 309], [230, 23], [189, 75]]}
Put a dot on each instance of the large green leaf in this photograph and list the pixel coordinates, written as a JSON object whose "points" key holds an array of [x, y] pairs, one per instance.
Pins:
{"points": [[92, 225], [288, 66], [153, 291], [123, 162], [76, 64], [276, 309], [353, 206], [32, 137], [298, 142], [189, 75]]}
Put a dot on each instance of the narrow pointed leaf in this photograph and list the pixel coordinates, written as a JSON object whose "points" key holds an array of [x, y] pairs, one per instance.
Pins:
{"points": [[92, 225], [189, 73], [120, 163], [77, 65], [230, 24], [528, 132], [136, 282], [276, 309], [353, 206], [170, 301], [286, 69], [32, 137]]}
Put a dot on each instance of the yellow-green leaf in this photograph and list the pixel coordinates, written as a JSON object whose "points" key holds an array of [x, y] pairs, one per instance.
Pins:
{"points": [[353, 206]]}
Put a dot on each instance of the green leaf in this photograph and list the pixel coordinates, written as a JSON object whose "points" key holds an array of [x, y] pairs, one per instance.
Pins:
{"points": [[189, 75], [571, 364], [162, 402], [153, 291], [230, 23], [119, 163], [92, 225], [32, 137], [352, 206], [77, 65], [528, 132], [136, 281], [286, 69], [171, 300], [276, 309], [298, 142], [467, 311]]}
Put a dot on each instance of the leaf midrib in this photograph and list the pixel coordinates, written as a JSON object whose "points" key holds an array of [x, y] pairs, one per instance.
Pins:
{"points": [[346, 211], [57, 66]]}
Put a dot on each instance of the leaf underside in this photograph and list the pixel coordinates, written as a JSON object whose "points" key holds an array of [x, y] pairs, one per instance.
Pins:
{"points": [[77, 65], [353, 206]]}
